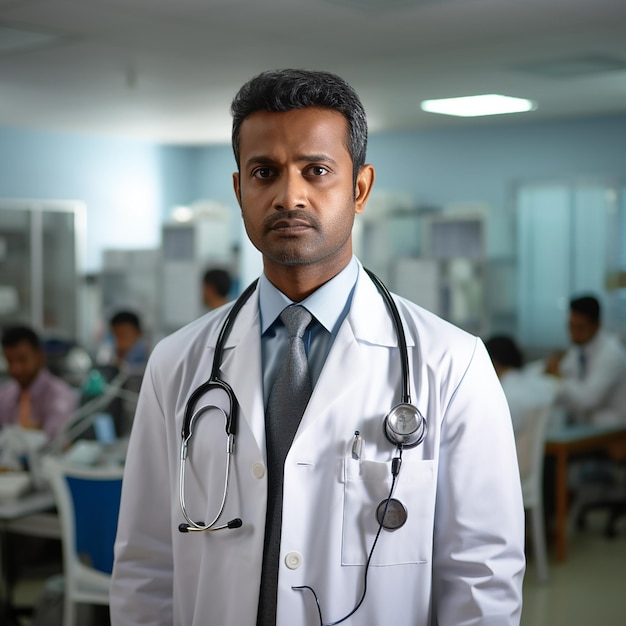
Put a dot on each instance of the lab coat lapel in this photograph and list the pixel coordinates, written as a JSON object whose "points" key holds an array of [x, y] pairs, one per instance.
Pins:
{"points": [[241, 367], [345, 370]]}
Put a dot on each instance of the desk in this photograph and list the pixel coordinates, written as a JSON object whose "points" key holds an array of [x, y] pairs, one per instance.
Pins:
{"points": [[32, 513], [562, 444], [27, 504]]}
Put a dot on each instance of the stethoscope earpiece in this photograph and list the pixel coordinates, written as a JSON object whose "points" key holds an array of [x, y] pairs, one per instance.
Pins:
{"points": [[405, 426]]}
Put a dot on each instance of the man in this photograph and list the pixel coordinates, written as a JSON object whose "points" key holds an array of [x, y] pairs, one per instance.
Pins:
{"points": [[129, 345], [33, 397], [592, 372], [451, 549], [216, 284]]}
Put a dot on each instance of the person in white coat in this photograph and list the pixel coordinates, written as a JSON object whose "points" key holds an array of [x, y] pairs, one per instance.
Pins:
{"points": [[592, 372], [377, 533]]}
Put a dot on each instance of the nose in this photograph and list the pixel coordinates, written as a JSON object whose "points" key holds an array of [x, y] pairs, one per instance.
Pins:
{"points": [[290, 192]]}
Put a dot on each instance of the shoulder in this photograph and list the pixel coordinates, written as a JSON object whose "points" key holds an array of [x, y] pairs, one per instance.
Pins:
{"points": [[54, 388], [193, 338], [613, 342], [8, 390], [435, 336], [49, 380], [610, 350], [421, 327]]}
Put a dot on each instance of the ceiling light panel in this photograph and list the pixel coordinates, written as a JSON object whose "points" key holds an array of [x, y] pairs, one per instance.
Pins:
{"points": [[478, 106]]}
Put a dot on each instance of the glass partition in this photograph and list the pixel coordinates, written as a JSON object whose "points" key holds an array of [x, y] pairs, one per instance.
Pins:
{"points": [[568, 237]]}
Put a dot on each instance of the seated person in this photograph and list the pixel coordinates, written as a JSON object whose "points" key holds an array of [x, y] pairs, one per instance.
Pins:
{"points": [[216, 284], [128, 353], [130, 348], [525, 389], [32, 398], [592, 372]]}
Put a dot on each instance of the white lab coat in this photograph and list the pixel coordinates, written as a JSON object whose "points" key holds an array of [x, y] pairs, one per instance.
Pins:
{"points": [[459, 558], [600, 397]]}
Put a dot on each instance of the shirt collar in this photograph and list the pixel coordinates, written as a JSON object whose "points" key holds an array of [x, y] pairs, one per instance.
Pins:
{"points": [[35, 388], [326, 304], [40, 382], [591, 345]]}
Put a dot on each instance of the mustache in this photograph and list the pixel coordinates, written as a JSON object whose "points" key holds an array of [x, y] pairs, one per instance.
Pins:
{"points": [[300, 215]]}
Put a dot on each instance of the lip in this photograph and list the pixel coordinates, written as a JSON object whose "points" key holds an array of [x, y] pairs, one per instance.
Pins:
{"points": [[285, 225]]}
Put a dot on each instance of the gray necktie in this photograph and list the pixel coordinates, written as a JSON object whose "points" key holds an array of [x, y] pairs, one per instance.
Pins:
{"points": [[582, 364], [287, 400]]}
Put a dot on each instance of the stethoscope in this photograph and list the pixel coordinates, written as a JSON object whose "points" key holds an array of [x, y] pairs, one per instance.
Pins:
{"points": [[192, 414], [404, 426]]}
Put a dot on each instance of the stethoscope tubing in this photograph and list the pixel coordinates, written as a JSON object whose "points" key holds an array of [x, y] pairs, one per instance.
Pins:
{"points": [[399, 327], [191, 414], [184, 451]]}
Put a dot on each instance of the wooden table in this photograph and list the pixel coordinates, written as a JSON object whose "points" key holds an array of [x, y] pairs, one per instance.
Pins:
{"points": [[32, 513], [564, 443]]}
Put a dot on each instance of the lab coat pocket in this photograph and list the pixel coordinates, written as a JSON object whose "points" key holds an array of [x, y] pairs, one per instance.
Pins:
{"points": [[366, 484]]}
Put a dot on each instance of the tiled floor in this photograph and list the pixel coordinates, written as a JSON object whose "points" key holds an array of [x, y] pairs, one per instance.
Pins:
{"points": [[589, 589]]}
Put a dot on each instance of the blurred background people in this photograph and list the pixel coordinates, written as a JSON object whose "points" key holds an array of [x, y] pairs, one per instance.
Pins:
{"points": [[124, 353], [592, 371], [525, 388], [216, 285], [126, 347], [32, 398]]}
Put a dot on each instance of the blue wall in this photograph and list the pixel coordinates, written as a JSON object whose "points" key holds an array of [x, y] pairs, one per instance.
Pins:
{"points": [[483, 163], [129, 187]]}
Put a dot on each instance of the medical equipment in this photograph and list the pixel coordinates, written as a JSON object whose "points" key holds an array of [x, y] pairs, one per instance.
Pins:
{"points": [[192, 414], [404, 425]]}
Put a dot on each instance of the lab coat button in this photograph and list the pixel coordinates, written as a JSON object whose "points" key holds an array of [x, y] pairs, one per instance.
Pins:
{"points": [[258, 469], [293, 560]]}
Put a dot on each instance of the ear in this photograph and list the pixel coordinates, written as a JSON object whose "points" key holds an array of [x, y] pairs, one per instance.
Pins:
{"points": [[364, 184], [237, 187]]}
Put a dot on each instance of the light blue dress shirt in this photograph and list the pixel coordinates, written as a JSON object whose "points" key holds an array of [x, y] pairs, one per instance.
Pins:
{"points": [[329, 306]]}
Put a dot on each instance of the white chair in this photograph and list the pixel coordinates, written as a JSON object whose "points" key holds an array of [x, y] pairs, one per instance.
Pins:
{"points": [[87, 500], [530, 444]]}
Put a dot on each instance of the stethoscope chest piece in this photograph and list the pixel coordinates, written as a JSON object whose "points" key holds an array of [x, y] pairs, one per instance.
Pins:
{"points": [[391, 514], [405, 426]]}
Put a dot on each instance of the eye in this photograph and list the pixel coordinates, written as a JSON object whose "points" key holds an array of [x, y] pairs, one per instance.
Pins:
{"points": [[262, 172], [318, 170]]}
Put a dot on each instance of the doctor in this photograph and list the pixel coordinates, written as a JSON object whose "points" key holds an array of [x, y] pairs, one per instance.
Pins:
{"points": [[378, 533]]}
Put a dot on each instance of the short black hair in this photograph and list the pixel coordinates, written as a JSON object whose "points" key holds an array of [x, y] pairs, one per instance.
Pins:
{"points": [[126, 317], [278, 91], [587, 305], [505, 351], [220, 279], [14, 335]]}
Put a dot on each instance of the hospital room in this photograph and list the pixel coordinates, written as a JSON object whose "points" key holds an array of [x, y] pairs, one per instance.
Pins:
{"points": [[181, 183]]}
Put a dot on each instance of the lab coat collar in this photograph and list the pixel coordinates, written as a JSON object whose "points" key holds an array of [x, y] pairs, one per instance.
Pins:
{"points": [[368, 321], [370, 318]]}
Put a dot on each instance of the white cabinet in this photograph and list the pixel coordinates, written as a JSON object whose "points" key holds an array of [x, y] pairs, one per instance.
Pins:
{"points": [[453, 251], [188, 250], [40, 256]]}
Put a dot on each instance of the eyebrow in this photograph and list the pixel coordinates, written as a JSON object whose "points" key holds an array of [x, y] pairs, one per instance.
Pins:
{"points": [[306, 158]]}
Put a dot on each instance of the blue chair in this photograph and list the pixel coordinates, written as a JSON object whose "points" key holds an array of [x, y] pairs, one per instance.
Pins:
{"points": [[88, 500]]}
